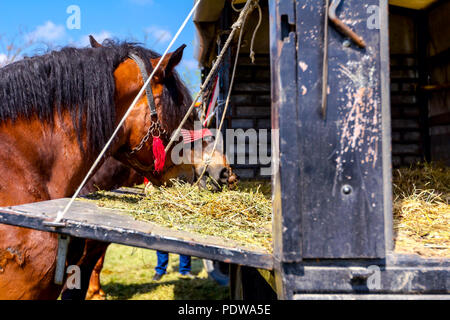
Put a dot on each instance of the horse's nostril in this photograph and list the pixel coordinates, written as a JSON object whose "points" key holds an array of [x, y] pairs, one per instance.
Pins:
{"points": [[224, 174]]}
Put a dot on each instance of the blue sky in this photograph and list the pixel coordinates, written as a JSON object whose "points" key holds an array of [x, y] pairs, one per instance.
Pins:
{"points": [[152, 22]]}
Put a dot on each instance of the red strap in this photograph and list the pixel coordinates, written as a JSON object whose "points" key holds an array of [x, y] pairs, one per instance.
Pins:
{"points": [[194, 135], [213, 101]]}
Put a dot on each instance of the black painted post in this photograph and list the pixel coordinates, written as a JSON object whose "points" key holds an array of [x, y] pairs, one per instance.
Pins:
{"points": [[332, 188], [287, 233]]}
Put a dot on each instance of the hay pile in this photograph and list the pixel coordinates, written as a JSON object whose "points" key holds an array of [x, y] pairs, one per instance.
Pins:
{"points": [[243, 215], [422, 210]]}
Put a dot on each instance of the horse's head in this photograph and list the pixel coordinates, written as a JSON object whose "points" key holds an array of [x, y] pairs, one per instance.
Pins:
{"points": [[210, 164], [194, 168], [172, 100]]}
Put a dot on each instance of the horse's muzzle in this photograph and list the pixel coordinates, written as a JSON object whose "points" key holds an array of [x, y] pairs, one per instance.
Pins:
{"points": [[227, 177]]}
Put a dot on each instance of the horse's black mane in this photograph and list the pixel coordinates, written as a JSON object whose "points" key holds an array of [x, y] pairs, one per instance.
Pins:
{"points": [[82, 82]]}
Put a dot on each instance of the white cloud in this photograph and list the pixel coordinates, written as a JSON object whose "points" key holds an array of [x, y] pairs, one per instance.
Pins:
{"points": [[84, 42], [159, 34], [3, 59], [47, 32]]}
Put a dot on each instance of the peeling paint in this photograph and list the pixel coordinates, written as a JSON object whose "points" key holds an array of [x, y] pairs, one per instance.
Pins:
{"points": [[304, 90], [359, 118], [303, 66]]}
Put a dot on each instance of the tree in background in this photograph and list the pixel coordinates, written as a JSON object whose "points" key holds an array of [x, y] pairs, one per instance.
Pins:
{"points": [[191, 79], [12, 49]]}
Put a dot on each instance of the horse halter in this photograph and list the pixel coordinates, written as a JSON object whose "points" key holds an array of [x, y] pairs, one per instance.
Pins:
{"points": [[155, 129]]}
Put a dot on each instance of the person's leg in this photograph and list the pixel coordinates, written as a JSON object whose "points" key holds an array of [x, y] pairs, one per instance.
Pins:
{"points": [[163, 260], [185, 264]]}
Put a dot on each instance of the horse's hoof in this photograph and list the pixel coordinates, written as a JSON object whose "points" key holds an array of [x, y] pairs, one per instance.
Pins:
{"points": [[99, 295]]}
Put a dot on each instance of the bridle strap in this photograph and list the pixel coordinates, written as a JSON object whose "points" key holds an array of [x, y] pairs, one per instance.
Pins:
{"points": [[155, 127], [148, 90]]}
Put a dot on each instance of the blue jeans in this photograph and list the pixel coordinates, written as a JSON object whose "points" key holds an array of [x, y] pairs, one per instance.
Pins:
{"points": [[163, 260]]}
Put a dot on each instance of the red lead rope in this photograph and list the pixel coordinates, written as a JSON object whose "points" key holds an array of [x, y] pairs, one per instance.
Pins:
{"points": [[159, 154]]}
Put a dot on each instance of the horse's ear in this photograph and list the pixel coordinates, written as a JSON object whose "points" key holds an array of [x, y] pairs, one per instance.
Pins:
{"points": [[175, 59], [94, 43], [170, 62]]}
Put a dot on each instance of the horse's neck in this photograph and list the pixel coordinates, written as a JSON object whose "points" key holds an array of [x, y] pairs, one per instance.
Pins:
{"points": [[40, 161]]}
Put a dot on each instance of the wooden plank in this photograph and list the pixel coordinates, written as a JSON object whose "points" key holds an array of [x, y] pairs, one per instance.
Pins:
{"points": [[285, 154], [86, 220], [440, 120], [342, 180], [399, 274]]}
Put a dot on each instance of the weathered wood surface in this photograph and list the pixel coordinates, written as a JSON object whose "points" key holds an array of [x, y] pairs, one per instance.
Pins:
{"points": [[87, 220], [343, 157]]}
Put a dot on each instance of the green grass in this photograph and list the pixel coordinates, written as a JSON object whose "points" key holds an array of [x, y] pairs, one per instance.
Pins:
{"points": [[127, 275]]}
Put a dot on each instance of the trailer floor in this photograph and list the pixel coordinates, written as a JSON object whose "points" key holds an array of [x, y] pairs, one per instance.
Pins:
{"points": [[87, 220]]}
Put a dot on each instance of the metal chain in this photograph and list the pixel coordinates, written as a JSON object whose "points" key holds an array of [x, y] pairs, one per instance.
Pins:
{"points": [[155, 126]]}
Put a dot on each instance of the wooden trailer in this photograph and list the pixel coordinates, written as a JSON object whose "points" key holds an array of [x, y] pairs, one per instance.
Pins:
{"points": [[335, 136]]}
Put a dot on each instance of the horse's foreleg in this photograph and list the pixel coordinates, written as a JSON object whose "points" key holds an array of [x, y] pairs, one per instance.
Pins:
{"points": [[93, 251], [95, 291]]}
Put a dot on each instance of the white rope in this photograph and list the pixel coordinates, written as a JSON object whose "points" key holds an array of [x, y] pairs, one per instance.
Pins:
{"points": [[61, 214], [234, 8], [252, 42]]}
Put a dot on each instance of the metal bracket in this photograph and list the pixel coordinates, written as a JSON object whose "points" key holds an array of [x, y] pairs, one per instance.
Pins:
{"points": [[342, 27], [54, 224], [330, 15], [63, 245]]}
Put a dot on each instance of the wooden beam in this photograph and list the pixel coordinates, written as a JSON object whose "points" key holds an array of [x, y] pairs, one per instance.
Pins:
{"points": [[440, 120]]}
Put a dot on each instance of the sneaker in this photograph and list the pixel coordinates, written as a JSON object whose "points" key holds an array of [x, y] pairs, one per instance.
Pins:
{"points": [[187, 275], [157, 276]]}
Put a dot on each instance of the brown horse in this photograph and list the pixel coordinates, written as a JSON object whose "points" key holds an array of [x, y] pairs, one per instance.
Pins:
{"points": [[56, 113]]}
